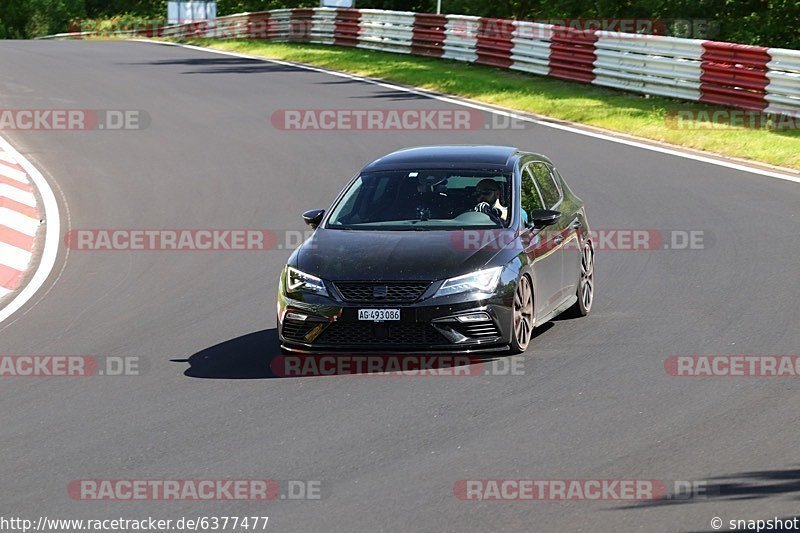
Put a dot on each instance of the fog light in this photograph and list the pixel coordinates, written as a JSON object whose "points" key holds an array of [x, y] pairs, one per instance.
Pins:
{"points": [[473, 317]]}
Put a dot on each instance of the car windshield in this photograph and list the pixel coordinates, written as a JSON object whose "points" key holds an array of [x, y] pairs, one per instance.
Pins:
{"points": [[424, 200]]}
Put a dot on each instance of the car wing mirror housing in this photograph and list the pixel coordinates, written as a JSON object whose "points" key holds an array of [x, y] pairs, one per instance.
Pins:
{"points": [[313, 217], [544, 217]]}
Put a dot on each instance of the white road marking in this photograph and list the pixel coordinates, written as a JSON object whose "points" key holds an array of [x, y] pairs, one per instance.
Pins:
{"points": [[7, 158], [4, 291], [18, 195], [51, 238], [14, 257], [546, 123], [17, 221]]}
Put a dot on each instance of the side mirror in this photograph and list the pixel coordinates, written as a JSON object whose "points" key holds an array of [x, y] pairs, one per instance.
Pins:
{"points": [[544, 217], [313, 217]]}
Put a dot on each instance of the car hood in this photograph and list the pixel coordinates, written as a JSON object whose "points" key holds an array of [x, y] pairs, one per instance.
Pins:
{"points": [[339, 255]]}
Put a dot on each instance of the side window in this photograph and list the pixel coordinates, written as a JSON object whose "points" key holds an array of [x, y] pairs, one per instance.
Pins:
{"points": [[529, 199], [548, 187]]}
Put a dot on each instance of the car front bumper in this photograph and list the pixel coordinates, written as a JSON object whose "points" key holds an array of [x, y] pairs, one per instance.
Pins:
{"points": [[324, 325]]}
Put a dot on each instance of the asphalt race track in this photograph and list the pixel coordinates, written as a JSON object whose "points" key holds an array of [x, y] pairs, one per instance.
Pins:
{"points": [[594, 401]]}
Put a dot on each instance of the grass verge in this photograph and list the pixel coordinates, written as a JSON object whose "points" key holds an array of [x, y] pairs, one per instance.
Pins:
{"points": [[609, 109]]}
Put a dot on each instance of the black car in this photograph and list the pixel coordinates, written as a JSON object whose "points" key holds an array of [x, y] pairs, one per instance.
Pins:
{"points": [[439, 249]]}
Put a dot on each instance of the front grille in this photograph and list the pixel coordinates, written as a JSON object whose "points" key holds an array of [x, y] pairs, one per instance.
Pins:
{"points": [[392, 292], [297, 330], [477, 330], [347, 333]]}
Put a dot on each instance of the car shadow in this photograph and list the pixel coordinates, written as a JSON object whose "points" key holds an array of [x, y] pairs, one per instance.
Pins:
{"points": [[257, 356], [392, 95], [245, 357], [222, 65], [734, 487], [563, 317], [541, 330]]}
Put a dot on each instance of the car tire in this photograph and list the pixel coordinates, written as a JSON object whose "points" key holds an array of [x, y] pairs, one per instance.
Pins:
{"points": [[522, 316], [585, 291]]}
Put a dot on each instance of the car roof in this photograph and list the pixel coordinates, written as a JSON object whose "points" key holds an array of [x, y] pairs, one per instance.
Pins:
{"points": [[447, 156]]}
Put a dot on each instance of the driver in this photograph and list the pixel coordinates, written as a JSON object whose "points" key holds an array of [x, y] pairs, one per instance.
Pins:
{"points": [[488, 193]]}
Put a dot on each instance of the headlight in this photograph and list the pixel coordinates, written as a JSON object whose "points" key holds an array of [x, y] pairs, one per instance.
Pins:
{"points": [[297, 281], [480, 281]]}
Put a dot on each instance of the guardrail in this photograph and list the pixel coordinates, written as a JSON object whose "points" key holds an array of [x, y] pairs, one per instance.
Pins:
{"points": [[736, 75]]}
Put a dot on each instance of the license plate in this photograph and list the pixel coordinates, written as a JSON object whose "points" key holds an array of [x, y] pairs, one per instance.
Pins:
{"points": [[378, 315]]}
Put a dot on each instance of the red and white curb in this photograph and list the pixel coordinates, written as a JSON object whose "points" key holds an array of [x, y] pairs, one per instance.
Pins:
{"points": [[19, 223], [21, 238]]}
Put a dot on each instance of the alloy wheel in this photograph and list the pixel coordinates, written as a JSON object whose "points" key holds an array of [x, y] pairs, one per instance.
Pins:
{"points": [[523, 313]]}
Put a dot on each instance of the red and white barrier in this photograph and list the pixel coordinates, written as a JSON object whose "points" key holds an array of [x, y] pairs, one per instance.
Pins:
{"points": [[735, 75], [323, 25], [461, 38], [388, 31], [495, 42], [783, 73], [572, 54], [741, 76], [428, 35], [532, 45], [649, 64]]}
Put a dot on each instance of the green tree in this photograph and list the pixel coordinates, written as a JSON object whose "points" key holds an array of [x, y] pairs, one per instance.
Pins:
{"points": [[51, 16]]}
